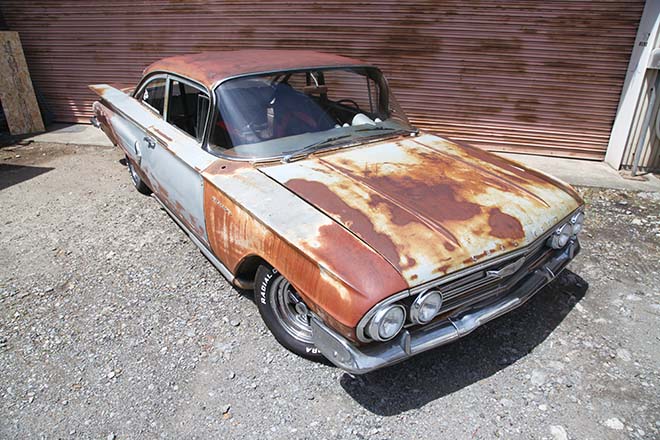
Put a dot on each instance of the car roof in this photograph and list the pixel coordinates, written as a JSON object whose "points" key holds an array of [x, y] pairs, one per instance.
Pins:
{"points": [[209, 68]]}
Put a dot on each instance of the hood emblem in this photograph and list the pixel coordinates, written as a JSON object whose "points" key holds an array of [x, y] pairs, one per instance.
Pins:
{"points": [[506, 270]]}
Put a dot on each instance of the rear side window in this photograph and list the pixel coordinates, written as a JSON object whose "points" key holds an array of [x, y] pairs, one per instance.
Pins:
{"points": [[154, 95], [187, 108]]}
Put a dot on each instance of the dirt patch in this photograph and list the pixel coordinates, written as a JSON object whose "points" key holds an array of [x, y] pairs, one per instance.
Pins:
{"points": [[112, 324]]}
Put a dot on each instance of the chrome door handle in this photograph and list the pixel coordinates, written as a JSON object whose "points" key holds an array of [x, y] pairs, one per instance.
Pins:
{"points": [[151, 143], [138, 153]]}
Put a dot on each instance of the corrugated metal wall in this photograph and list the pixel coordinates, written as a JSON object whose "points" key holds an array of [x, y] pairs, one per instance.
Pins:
{"points": [[530, 76]]}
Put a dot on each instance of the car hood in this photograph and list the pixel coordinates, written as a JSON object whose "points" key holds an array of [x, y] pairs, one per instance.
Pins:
{"points": [[428, 205]]}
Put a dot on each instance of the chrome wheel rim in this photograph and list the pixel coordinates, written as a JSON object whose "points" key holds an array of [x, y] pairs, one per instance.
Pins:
{"points": [[134, 177], [290, 311]]}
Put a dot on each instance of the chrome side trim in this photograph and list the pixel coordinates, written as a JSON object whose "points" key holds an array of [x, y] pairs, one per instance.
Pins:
{"points": [[360, 360], [206, 251]]}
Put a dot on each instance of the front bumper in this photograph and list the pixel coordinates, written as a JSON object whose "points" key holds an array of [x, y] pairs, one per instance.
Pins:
{"points": [[408, 343]]}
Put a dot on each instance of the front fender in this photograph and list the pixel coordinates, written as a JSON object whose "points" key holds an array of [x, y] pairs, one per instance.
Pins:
{"points": [[339, 276]]}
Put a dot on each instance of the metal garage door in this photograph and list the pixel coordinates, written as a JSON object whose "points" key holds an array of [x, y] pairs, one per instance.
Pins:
{"points": [[539, 77]]}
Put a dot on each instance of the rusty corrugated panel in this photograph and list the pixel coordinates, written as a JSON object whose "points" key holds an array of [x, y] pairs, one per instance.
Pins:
{"points": [[539, 77]]}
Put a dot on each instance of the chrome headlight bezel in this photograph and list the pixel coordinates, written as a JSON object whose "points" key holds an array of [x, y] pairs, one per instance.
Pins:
{"points": [[374, 326], [561, 236], [417, 308], [577, 222]]}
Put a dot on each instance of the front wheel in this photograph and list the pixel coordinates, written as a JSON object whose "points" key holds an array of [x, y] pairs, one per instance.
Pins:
{"points": [[284, 313]]}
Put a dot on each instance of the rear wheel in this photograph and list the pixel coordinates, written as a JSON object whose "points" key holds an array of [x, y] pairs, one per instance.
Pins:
{"points": [[136, 179], [284, 313]]}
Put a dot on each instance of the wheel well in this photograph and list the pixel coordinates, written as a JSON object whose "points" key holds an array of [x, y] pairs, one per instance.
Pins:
{"points": [[247, 270]]}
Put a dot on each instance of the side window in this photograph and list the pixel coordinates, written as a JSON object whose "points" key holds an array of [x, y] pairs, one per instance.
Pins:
{"points": [[153, 95], [187, 109]]}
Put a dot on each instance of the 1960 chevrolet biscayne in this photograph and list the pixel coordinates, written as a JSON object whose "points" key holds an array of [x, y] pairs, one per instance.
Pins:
{"points": [[297, 174]]}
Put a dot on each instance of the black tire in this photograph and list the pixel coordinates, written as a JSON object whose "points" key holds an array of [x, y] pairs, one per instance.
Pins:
{"points": [[284, 320], [136, 179]]}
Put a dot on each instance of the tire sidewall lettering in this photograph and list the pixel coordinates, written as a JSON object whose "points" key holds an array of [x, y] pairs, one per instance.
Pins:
{"points": [[263, 287], [266, 297]]}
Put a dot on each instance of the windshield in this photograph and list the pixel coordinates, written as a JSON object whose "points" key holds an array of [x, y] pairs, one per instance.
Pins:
{"points": [[283, 113]]}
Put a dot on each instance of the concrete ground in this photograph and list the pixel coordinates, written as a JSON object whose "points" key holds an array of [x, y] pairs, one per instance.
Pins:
{"points": [[72, 134], [586, 173], [114, 326]]}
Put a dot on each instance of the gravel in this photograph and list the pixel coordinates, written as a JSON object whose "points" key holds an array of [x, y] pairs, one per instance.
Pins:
{"points": [[113, 325]]}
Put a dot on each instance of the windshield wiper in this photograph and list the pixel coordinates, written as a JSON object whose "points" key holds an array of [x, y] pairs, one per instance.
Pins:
{"points": [[374, 127], [311, 147], [377, 128]]}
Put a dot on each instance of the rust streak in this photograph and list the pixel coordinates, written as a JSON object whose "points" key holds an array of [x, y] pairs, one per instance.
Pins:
{"points": [[352, 218], [504, 226], [501, 183], [160, 133], [399, 210]]}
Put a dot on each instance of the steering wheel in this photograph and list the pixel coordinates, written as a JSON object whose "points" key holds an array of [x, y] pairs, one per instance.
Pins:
{"points": [[350, 101]]}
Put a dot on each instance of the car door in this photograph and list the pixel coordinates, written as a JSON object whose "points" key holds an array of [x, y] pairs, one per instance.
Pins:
{"points": [[124, 120], [172, 151], [170, 157]]}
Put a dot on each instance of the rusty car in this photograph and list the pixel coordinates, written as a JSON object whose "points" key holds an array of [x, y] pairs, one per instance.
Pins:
{"points": [[298, 175]]}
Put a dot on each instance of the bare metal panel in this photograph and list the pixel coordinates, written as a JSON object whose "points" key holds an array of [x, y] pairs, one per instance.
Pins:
{"points": [[539, 77]]}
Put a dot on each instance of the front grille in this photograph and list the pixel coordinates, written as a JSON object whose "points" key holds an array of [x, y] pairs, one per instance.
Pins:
{"points": [[479, 286]]}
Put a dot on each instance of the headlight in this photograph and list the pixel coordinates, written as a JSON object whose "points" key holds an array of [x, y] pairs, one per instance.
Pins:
{"points": [[577, 221], [426, 306], [560, 237], [387, 322]]}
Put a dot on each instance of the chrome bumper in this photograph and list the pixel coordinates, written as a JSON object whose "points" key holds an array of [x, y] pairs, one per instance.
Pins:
{"points": [[360, 360]]}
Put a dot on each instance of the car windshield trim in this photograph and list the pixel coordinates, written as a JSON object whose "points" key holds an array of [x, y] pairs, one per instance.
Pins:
{"points": [[312, 147], [316, 104], [355, 142], [348, 143]]}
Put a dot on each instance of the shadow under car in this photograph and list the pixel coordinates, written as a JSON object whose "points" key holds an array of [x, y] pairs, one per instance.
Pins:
{"points": [[489, 349]]}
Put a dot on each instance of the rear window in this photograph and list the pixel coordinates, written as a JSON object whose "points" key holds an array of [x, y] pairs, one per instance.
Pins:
{"points": [[153, 95], [188, 108]]}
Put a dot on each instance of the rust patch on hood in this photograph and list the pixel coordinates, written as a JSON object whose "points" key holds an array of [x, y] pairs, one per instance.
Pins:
{"points": [[428, 205], [355, 219], [503, 225]]}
